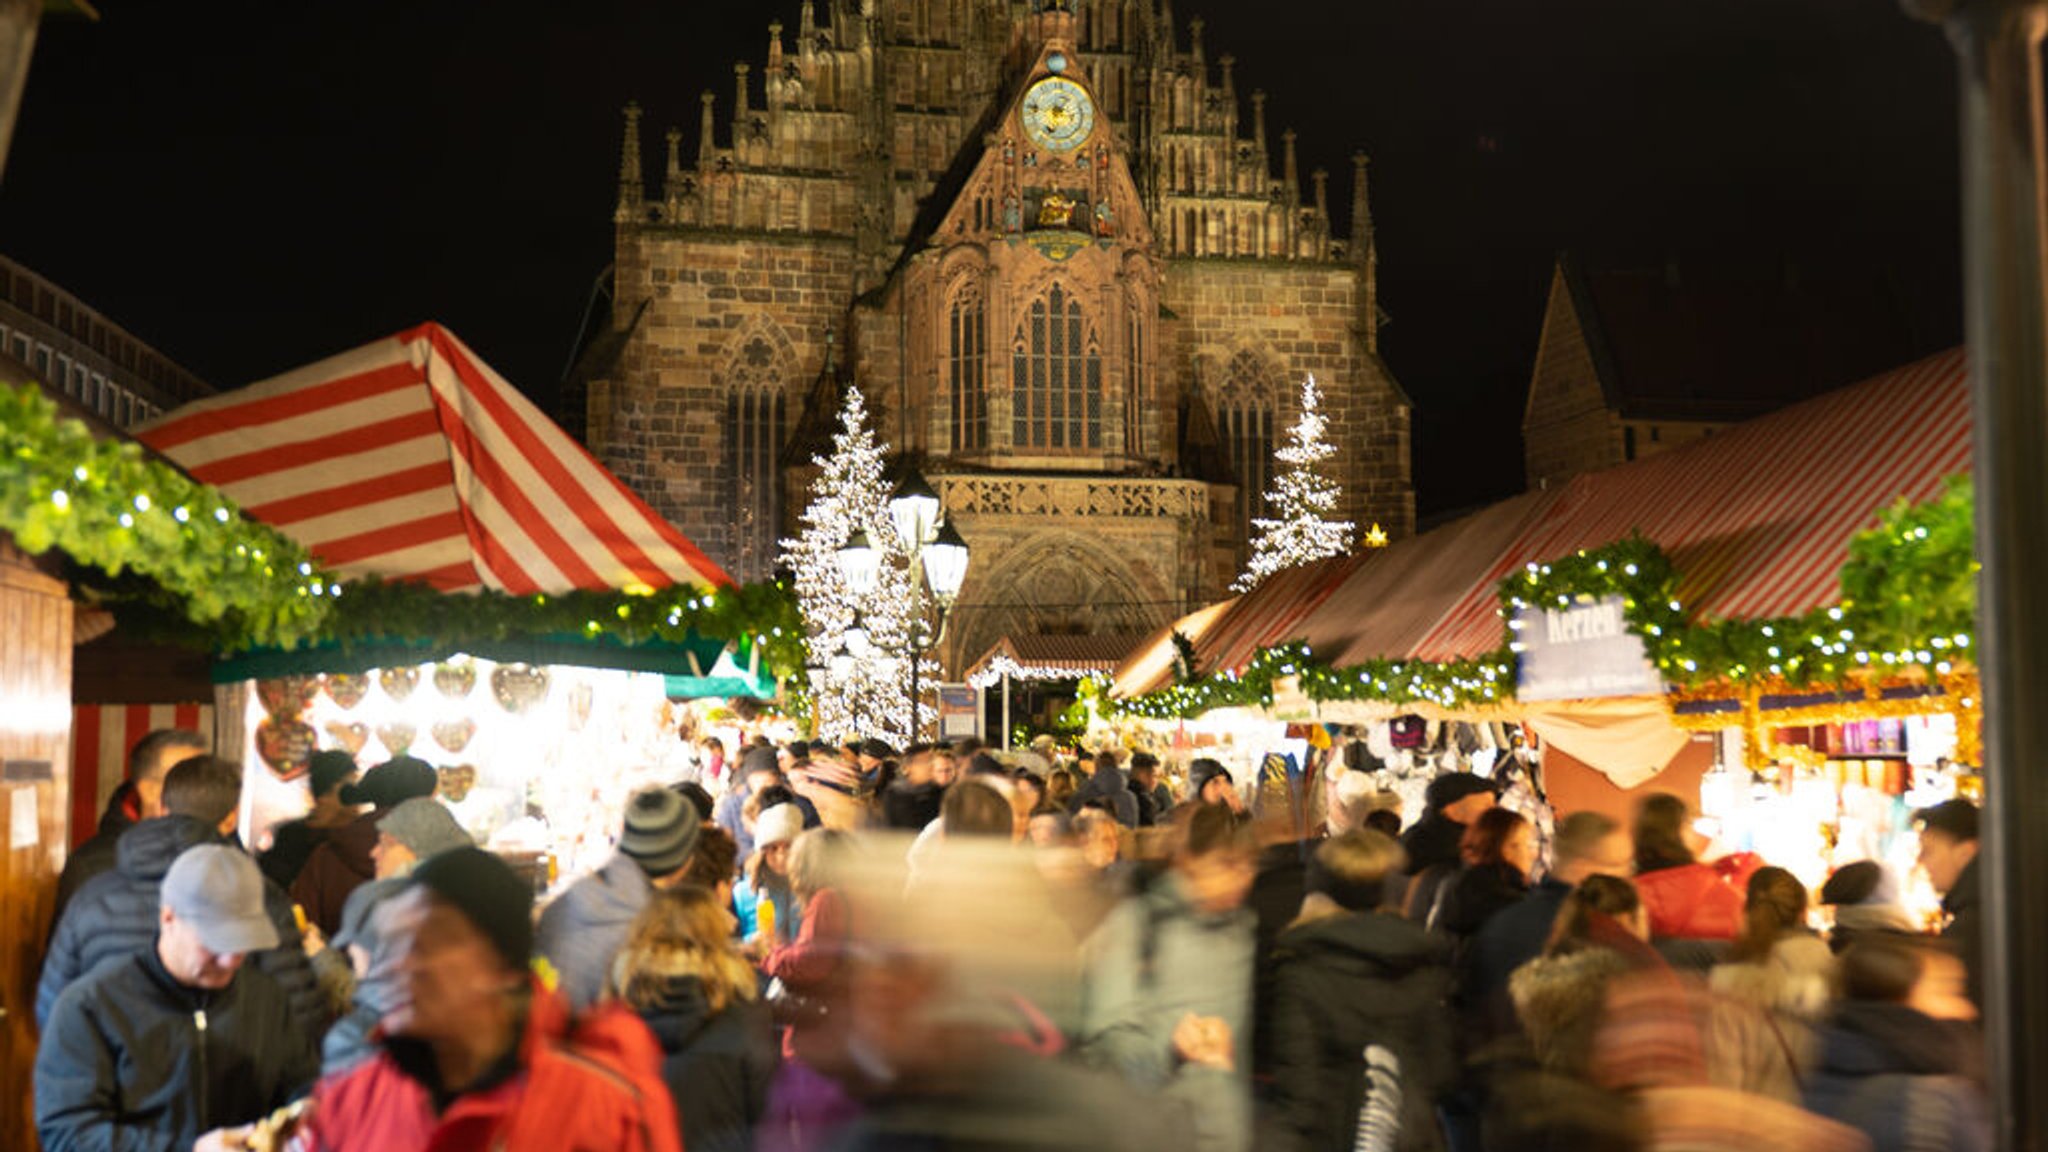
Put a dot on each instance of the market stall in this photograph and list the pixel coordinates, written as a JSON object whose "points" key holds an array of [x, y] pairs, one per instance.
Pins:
{"points": [[503, 607], [1034, 657]]}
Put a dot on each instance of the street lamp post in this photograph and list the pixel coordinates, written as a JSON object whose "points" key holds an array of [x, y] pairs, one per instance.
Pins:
{"points": [[2005, 263], [937, 556]]}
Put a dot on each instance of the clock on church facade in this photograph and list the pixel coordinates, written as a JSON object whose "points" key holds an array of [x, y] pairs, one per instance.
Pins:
{"points": [[1079, 291]]}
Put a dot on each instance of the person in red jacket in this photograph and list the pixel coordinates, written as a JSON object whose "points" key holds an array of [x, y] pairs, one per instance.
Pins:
{"points": [[1686, 900], [477, 1054]]}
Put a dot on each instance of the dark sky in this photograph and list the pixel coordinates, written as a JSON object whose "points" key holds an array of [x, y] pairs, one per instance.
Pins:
{"points": [[253, 186]]}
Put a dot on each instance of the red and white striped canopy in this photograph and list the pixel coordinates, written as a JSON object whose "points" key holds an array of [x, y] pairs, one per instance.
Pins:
{"points": [[410, 459], [1757, 520]]}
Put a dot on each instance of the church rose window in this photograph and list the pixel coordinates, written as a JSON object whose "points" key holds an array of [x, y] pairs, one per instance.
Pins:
{"points": [[755, 429], [967, 370], [1056, 378]]}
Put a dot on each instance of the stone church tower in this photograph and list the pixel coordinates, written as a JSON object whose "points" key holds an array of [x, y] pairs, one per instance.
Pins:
{"points": [[1047, 242]]}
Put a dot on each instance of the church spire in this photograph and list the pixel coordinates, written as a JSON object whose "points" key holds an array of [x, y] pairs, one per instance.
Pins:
{"points": [[672, 179], [632, 188], [1290, 174], [1259, 132], [1361, 211], [707, 137]]}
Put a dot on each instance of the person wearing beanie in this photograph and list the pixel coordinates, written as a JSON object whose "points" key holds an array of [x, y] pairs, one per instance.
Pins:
{"points": [[582, 930], [181, 1044], [416, 829], [1209, 782], [344, 860], [1865, 898], [292, 842], [765, 880], [758, 769], [476, 1052], [1452, 801], [1350, 977]]}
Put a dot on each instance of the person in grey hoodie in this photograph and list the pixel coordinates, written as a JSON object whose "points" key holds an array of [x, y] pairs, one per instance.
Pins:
{"points": [[1110, 788], [583, 929], [1167, 999]]}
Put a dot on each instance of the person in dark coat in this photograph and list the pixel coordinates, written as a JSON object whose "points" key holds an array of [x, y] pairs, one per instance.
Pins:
{"points": [[1433, 845], [343, 862], [1361, 1037], [179, 1045], [1154, 801], [1587, 844], [1110, 787], [116, 914], [292, 843], [139, 798], [699, 996], [1499, 851], [911, 801], [1901, 1061], [1948, 850]]}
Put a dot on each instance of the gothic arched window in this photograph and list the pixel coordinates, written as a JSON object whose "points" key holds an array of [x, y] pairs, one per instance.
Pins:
{"points": [[1137, 378], [1056, 377], [967, 369], [756, 427], [1244, 419]]}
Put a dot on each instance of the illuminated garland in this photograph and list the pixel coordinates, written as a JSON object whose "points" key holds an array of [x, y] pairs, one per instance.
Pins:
{"points": [[105, 505], [1908, 608], [755, 614], [1003, 666]]}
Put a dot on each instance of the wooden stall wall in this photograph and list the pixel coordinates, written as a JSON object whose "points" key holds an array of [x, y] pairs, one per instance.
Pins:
{"points": [[1574, 787], [35, 721]]}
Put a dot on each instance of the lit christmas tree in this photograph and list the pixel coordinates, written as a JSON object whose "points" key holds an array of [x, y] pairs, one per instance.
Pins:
{"points": [[858, 690], [1303, 501]]}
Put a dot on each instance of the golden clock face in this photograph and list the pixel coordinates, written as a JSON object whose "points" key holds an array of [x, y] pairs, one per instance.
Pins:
{"points": [[1058, 115]]}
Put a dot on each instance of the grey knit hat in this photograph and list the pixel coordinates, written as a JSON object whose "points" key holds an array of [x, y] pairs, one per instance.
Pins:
{"points": [[425, 826], [661, 829]]}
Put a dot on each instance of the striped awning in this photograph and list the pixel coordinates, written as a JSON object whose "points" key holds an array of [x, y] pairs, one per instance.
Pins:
{"points": [[411, 459], [1757, 519], [1035, 656]]}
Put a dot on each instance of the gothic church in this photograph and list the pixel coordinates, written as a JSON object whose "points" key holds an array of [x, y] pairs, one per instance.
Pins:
{"points": [[1049, 245]]}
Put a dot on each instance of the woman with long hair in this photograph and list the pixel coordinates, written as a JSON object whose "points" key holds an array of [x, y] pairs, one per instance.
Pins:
{"points": [[1786, 974], [1686, 899], [1499, 852], [682, 973], [1599, 935]]}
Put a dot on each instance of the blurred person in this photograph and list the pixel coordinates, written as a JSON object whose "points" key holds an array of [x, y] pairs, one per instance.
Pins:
{"points": [[1434, 845], [834, 787], [1385, 821], [1587, 844], [581, 930], [763, 899], [1029, 791], [1779, 963], [1167, 997], [681, 972], [711, 759], [343, 861], [1109, 785], [176, 1046], [115, 915], [1060, 787], [367, 979], [757, 770], [475, 1053], [1602, 932], [137, 798], [1684, 898], [1499, 852], [878, 763], [1948, 853], [1360, 1035], [911, 801], [292, 842], [1050, 827], [1209, 782], [1146, 783], [1864, 897], [700, 800], [1902, 1061], [714, 867], [411, 832], [805, 1106]]}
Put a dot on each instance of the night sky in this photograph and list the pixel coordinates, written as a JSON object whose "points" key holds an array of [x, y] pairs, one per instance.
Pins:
{"points": [[251, 187]]}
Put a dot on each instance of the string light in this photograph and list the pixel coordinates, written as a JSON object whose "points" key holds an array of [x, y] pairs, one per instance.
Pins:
{"points": [[1304, 500]]}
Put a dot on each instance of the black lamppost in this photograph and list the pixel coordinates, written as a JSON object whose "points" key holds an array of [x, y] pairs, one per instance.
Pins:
{"points": [[2005, 258], [938, 567]]}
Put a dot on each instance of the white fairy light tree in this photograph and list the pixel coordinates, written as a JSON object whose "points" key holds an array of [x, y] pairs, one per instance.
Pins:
{"points": [[859, 687], [1303, 500]]}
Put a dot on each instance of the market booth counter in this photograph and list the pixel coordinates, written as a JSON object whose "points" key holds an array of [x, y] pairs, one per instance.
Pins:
{"points": [[502, 607]]}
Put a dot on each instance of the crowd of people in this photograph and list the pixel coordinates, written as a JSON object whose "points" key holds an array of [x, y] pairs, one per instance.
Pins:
{"points": [[809, 947]]}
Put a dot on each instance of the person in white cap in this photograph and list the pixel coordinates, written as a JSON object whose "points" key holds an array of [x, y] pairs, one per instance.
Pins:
{"points": [[177, 1047]]}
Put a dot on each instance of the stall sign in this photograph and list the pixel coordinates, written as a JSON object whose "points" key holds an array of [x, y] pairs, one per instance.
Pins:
{"points": [[959, 712], [1583, 651]]}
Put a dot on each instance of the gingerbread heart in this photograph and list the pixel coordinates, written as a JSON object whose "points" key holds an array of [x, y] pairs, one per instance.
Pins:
{"points": [[286, 747], [286, 696], [350, 738], [518, 687], [455, 678], [454, 735], [398, 683], [346, 690], [396, 738]]}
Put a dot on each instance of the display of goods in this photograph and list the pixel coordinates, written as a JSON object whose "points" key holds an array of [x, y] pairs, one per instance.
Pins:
{"points": [[286, 696], [518, 687], [349, 737], [398, 683], [286, 746], [346, 690], [456, 781], [396, 738], [455, 678], [454, 735]]}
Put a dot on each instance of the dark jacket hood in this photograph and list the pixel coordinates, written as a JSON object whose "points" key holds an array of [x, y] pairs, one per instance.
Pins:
{"points": [[145, 852], [1876, 1039], [1382, 947], [680, 1014]]}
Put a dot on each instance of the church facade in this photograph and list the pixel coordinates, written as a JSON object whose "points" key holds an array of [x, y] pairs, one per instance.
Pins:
{"points": [[1051, 246]]}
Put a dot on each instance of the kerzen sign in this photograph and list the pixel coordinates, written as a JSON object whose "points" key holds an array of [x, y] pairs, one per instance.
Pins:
{"points": [[1581, 652]]}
